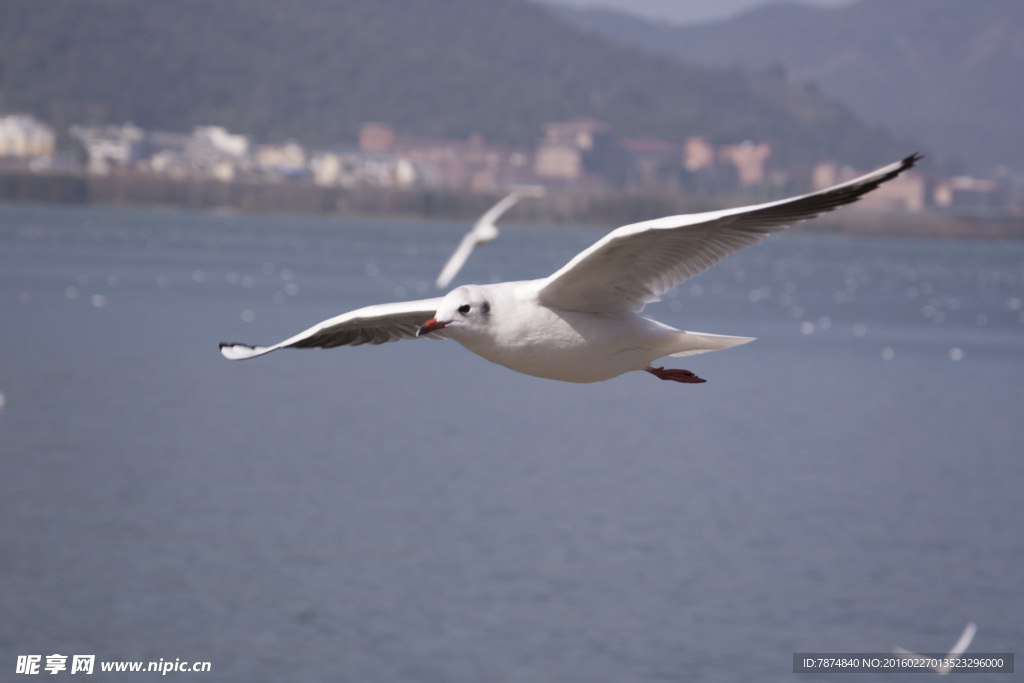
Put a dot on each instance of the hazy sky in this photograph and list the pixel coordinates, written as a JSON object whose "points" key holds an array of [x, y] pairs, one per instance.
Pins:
{"points": [[686, 11]]}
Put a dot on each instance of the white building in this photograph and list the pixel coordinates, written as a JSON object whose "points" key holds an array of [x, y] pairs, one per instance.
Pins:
{"points": [[25, 136], [749, 160], [351, 168], [209, 152], [220, 140], [284, 159], [110, 146], [569, 149]]}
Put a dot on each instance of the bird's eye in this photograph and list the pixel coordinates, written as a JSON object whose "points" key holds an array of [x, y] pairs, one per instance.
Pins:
{"points": [[486, 308], [464, 309]]}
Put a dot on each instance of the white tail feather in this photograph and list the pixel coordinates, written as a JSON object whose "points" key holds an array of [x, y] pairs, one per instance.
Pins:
{"points": [[692, 343]]}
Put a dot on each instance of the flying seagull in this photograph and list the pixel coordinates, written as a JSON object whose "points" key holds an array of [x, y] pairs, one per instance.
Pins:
{"points": [[582, 323], [484, 230], [949, 660]]}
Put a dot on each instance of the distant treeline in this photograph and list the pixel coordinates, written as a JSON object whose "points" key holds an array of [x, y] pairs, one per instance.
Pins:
{"points": [[609, 208]]}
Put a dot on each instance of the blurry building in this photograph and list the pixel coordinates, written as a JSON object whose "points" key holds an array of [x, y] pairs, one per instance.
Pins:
{"points": [[649, 163], [749, 161], [965, 193], [217, 140], [25, 137], [215, 153], [570, 150], [209, 152], [286, 160], [468, 163], [109, 147], [376, 137], [698, 154], [356, 168]]}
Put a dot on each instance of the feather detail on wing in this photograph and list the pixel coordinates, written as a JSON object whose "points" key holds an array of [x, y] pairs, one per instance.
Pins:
{"points": [[370, 325], [635, 264]]}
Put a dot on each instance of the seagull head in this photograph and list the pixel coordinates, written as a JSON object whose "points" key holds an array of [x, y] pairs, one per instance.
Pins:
{"points": [[464, 309]]}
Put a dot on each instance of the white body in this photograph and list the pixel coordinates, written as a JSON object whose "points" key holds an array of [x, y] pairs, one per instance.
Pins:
{"points": [[573, 346]]}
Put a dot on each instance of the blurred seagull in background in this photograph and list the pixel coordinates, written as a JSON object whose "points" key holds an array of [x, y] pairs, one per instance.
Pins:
{"points": [[484, 230], [959, 648], [581, 324]]}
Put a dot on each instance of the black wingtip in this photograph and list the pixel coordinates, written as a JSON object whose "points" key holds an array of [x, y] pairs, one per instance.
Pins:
{"points": [[901, 166], [251, 347]]}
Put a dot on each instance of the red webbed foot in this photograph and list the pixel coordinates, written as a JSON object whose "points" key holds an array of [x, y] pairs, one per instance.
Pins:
{"points": [[674, 375]]}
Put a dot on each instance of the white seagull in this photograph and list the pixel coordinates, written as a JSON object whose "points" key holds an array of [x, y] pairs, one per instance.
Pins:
{"points": [[484, 230], [581, 324], [949, 660]]}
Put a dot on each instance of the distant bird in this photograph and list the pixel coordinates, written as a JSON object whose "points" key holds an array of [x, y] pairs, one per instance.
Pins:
{"points": [[581, 324], [959, 648], [484, 230]]}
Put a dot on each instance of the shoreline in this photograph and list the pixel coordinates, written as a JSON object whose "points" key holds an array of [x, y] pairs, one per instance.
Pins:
{"points": [[609, 208]]}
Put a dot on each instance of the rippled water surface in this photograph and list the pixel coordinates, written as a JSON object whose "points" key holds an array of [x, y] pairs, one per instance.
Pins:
{"points": [[409, 512]]}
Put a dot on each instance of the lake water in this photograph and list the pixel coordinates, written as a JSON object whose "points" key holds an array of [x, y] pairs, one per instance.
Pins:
{"points": [[850, 482]]}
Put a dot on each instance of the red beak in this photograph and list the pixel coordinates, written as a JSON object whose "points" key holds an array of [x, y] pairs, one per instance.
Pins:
{"points": [[430, 326]]}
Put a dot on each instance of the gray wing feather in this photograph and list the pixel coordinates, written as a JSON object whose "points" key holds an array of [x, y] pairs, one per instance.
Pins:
{"points": [[370, 325]]}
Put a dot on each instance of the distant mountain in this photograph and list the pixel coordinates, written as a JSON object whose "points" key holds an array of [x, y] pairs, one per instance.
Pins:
{"points": [[315, 70], [948, 72]]}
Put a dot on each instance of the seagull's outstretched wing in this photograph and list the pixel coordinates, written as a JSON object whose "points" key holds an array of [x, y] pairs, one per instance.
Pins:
{"points": [[484, 230], [964, 642], [370, 325], [495, 212], [456, 260], [959, 648], [635, 264]]}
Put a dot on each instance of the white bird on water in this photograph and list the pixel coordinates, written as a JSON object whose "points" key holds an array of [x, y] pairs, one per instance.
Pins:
{"points": [[581, 324], [483, 231]]}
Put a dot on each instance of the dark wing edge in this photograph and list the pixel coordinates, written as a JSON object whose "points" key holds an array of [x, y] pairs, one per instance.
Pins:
{"points": [[370, 325], [783, 213]]}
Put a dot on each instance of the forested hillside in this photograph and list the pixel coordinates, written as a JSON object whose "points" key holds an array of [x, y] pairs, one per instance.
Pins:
{"points": [[944, 71], [315, 70]]}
